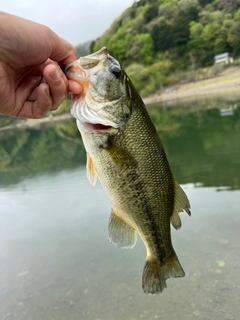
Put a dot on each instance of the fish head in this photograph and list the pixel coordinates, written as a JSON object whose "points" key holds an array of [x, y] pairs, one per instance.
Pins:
{"points": [[104, 104]]}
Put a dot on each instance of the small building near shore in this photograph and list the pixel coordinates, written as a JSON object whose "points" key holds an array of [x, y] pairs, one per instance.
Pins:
{"points": [[223, 58]]}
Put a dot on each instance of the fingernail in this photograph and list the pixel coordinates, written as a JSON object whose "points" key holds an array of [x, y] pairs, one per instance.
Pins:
{"points": [[55, 75]]}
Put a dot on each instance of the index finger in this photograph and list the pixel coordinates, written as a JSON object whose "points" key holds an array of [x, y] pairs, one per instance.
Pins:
{"points": [[62, 51]]}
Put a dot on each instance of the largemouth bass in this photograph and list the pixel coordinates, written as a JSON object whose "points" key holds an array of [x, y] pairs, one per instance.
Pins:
{"points": [[124, 151]]}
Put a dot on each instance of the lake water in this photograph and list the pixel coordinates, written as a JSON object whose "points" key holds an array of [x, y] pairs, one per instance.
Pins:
{"points": [[56, 262]]}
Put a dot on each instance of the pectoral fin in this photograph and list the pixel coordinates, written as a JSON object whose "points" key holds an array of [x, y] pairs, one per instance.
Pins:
{"points": [[91, 171], [120, 233], [181, 203], [121, 157]]}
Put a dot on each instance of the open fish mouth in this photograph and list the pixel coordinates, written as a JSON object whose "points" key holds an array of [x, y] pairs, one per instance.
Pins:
{"points": [[96, 126], [99, 126]]}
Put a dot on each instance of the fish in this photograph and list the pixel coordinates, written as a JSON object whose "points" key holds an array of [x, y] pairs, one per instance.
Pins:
{"points": [[125, 153]]}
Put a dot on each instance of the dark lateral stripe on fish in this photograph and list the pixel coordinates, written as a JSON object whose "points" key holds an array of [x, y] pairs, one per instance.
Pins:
{"points": [[147, 215]]}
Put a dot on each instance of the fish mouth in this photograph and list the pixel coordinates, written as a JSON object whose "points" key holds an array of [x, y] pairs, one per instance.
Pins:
{"points": [[81, 69], [96, 127]]}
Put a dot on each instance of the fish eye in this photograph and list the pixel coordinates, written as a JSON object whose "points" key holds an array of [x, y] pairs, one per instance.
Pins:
{"points": [[116, 71]]}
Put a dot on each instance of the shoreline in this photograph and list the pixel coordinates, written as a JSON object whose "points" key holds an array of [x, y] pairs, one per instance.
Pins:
{"points": [[35, 123], [228, 81]]}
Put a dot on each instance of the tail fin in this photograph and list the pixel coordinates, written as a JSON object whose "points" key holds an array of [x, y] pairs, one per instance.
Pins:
{"points": [[155, 274]]}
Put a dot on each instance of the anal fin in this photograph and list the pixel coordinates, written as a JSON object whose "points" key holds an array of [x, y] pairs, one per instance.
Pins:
{"points": [[181, 203], [120, 233], [91, 171]]}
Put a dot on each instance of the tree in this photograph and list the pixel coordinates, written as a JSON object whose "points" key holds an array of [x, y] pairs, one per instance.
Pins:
{"points": [[151, 13], [143, 79], [141, 49], [203, 3], [161, 32], [234, 37], [198, 46], [146, 52], [229, 6], [190, 9], [180, 30]]}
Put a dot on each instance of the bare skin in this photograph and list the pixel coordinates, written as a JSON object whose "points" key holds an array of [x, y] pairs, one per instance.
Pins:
{"points": [[31, 81]]}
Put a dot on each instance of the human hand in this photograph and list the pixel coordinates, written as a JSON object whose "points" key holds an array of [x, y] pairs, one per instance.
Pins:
{"points": [[31, 81]]}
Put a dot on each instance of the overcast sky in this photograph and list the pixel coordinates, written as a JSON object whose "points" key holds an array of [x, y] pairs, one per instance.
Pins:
{"points": [[75, 20]]}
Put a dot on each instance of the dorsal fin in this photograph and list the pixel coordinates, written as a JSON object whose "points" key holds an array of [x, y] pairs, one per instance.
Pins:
{"points": [[181, 203], [91, 171]]}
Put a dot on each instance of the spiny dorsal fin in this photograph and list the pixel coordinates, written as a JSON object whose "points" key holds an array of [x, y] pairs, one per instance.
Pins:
{"points": [[91, 171], [181, 203], [120, 233]]}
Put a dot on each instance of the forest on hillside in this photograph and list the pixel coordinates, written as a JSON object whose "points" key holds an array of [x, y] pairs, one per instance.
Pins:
{"points": [[155, 38]]}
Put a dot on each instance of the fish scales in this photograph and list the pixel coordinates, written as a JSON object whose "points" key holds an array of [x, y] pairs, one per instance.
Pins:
{"points": [[124, 151]]}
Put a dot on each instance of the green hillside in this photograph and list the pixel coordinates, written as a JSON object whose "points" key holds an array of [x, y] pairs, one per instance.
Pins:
{"points": [[156, 39]]}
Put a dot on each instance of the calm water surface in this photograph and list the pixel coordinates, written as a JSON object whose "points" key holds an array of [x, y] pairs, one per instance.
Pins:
{"points": [[55, 258]]}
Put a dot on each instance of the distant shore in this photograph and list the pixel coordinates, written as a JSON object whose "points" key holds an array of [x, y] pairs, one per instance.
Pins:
{"points": [[228, 82], [35, 123]]}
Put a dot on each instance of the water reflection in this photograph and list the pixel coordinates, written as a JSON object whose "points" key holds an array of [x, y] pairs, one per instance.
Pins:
{"points": [[202, 147], [31, 152], [55, 259]]}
